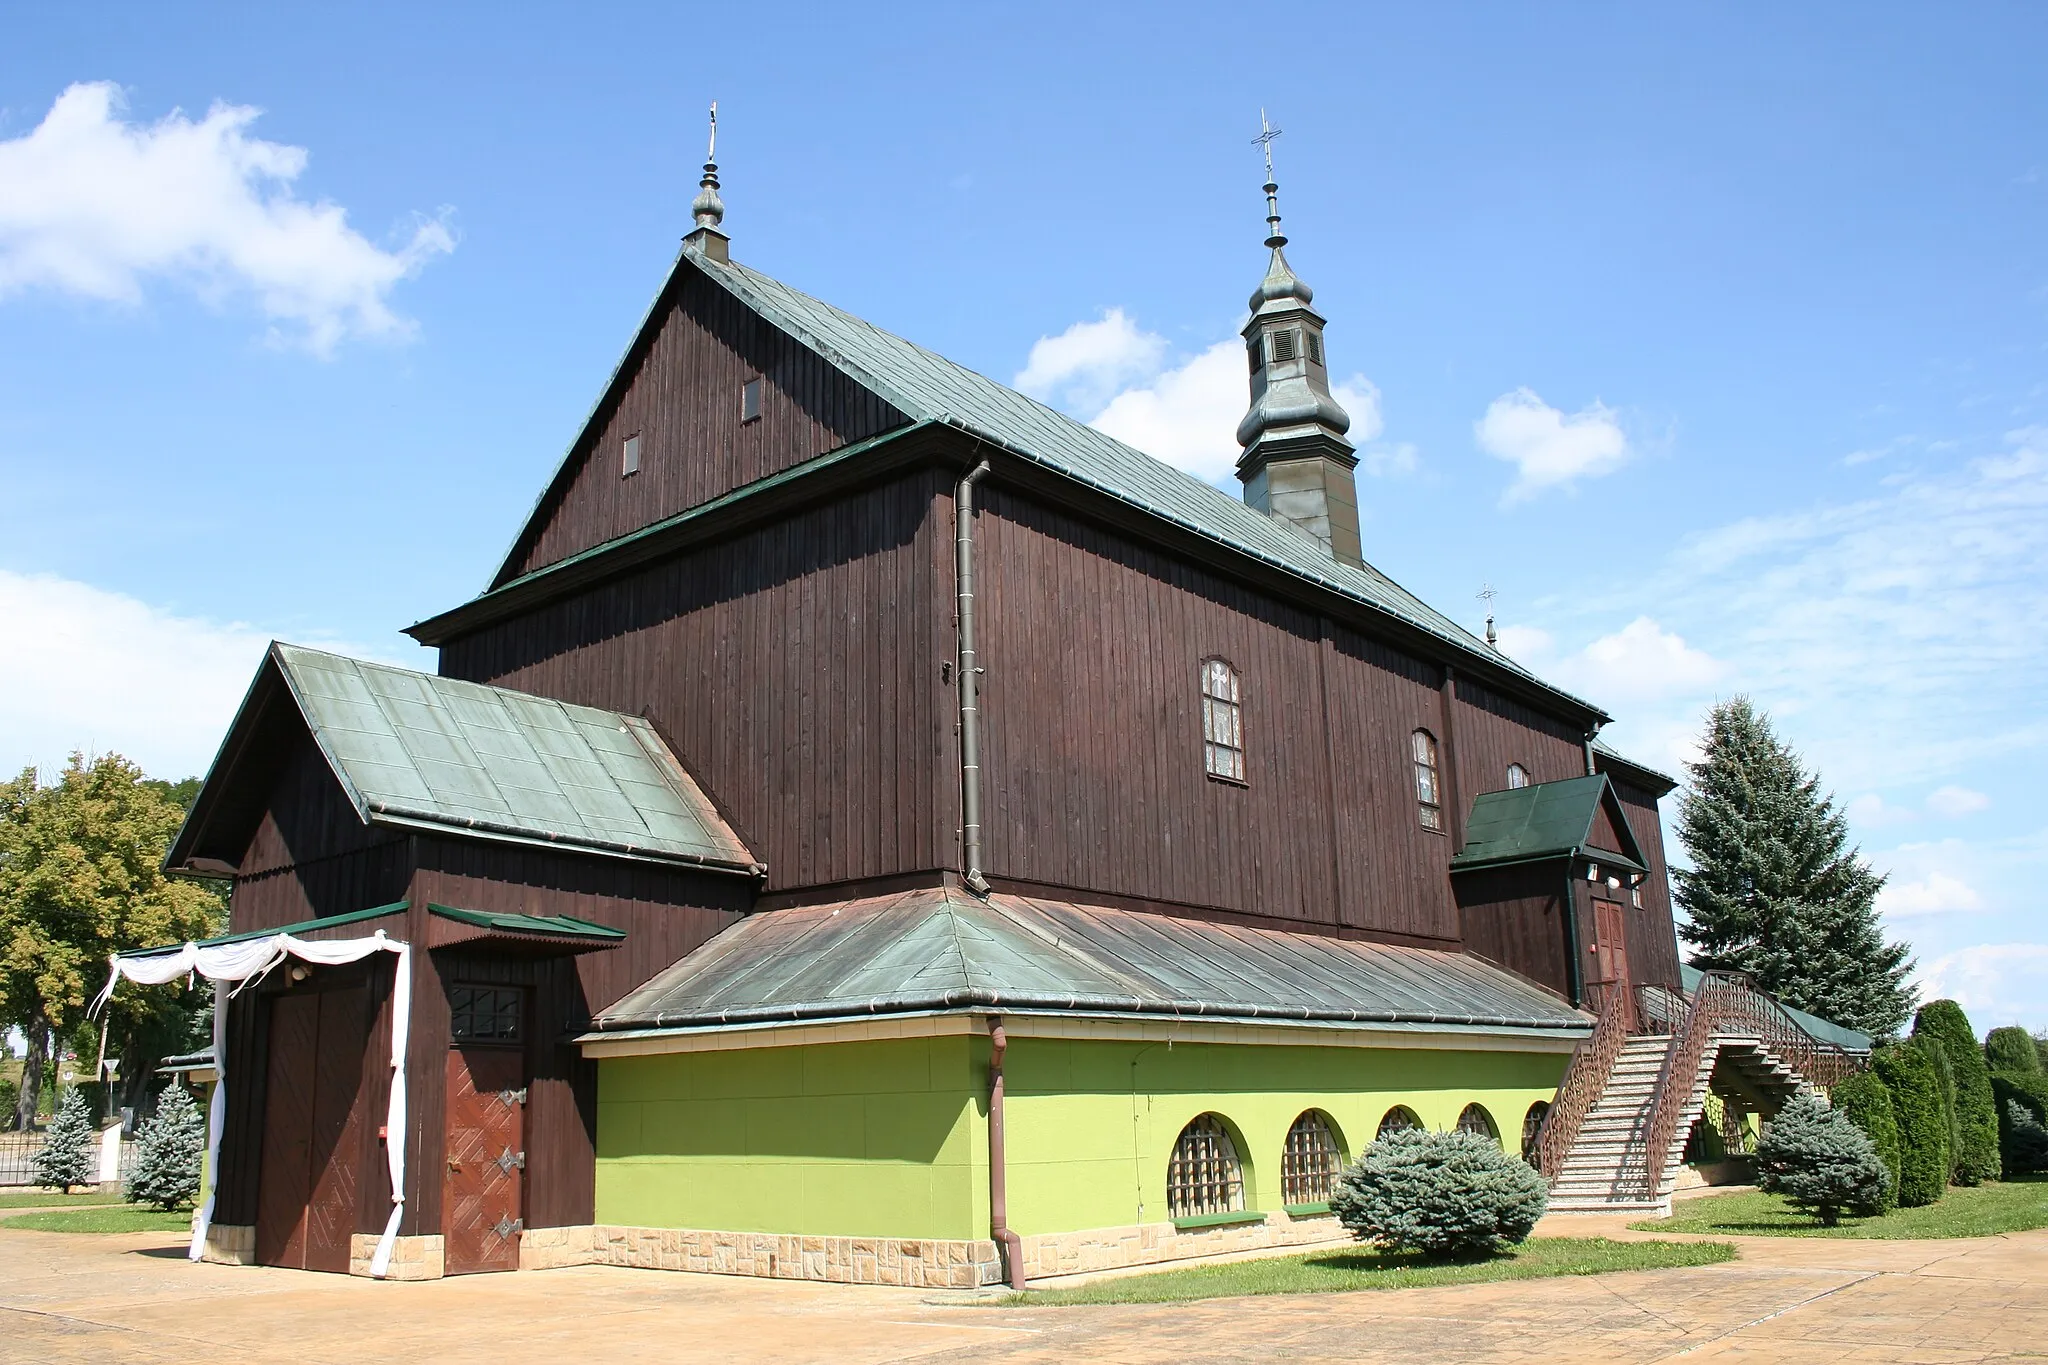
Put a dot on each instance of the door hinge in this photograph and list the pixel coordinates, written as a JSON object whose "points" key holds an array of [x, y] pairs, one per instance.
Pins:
{"points": [[508, 1225], [508, 1098], [509, 1161]]}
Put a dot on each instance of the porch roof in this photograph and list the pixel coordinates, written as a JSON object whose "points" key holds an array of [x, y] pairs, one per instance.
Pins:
{"points": [[1544, 820], [941, 949]]}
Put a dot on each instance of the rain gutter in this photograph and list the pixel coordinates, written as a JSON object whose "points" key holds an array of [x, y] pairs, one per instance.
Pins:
{"points": [[998, 1160], [970, 682]]}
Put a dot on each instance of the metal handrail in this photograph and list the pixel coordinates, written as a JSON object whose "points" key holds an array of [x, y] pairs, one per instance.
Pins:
{"points": [[1585, 1081]]}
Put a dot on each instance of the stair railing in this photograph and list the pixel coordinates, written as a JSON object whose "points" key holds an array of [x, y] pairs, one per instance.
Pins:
{"points": [[1585, 1080]]}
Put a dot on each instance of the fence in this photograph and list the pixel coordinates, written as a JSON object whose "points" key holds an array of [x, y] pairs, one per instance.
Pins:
{"points": [[18, 1154]]}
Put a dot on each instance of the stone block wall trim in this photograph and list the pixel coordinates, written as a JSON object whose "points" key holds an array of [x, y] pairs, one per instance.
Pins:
{"points": [[229, 1244], [412, 1258]]}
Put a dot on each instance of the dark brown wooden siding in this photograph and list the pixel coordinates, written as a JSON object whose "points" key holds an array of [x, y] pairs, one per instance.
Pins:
{"points": [[1652, 937], [682, 398], [311, 855], [1494, 731], [792, 668], [1511, 916]]}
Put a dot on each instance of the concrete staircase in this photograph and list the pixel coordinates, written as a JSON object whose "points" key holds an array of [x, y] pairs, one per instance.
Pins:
{"points": [[1607, 1167]]}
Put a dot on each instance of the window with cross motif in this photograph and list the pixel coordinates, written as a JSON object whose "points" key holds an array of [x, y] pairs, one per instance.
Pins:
{"points": [[1203, 1175], [485, 1014], [1429, 797], [1223, 720], [1310, 1160]]}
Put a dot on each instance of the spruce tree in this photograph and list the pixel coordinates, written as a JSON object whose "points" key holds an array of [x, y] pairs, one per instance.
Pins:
{"points": [[1775, 889], [168, 1150], [1821, 1162], [1976, 1154], [67, 1159]]}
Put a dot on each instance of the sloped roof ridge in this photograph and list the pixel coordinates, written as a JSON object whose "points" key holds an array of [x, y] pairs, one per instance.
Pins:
{"points": [[872, 355]]}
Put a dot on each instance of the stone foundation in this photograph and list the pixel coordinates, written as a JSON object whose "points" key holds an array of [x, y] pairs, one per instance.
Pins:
{"points": [[229, 1244], [412, 1258], [1077, 1253]]}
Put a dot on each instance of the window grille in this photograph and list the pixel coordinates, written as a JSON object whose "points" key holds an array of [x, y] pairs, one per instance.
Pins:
{"points": [[629, 456], [1399, 1119], [1309, 1161], [1284, 345], [750, 400], [1428, 787], [1222, 721], [1475, 1119], [1532, 1124], [1203, 1176], [1315, 345], [485, 1014], [1518, 776]]}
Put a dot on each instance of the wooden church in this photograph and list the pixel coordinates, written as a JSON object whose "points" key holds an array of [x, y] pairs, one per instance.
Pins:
{"points": [[876, 828]]}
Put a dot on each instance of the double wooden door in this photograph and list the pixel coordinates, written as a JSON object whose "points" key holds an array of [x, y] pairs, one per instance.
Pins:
{"points": [[1609, 950], [483, 1198], [309, 1183]]}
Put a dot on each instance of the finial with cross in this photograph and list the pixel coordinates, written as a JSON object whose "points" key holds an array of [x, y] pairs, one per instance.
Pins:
{"points": [[1486, 594], [711, 150], [1264, 141]]}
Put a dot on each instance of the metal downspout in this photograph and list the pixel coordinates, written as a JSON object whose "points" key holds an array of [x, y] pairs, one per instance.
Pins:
{"points": [[970, 684], [1577, 973], [998, 1175]]}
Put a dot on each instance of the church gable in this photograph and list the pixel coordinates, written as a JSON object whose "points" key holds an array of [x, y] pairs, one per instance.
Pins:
{"points": [[681, 397], [1611, 831]]}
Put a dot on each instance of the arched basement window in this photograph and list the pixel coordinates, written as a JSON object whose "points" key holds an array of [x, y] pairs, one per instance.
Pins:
{"points": [[1309, 1161], [1532, 1124], [1518, 776], [1475, 1119], [1399, 1119], [1428, 787], [1223, 720], [1203, 1175]]}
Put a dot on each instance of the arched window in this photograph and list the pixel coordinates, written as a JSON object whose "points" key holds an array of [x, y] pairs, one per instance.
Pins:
{"points": [[1532, 1124], [1399, 1119], [1203, 1175], [1222, 720], [1518, 776], [1475, 1119], [1309, 1161], [1428, 787]]}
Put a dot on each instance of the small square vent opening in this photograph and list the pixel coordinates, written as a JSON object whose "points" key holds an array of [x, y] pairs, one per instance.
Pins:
{"points": [[750, 400], [629, 456]]}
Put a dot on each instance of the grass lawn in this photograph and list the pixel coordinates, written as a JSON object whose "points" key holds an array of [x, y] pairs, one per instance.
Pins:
{"points": [[2006, 1206], [1325, 1271], [117, 1218], [52, 1199]]}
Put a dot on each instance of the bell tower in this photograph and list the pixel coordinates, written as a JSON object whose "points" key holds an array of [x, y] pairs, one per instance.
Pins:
{"points": [[1297, 466]]}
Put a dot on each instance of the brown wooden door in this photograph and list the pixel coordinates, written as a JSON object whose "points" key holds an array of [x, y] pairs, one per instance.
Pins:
{"points": [[1609, 977], [482, 1203], [309, 1182]]}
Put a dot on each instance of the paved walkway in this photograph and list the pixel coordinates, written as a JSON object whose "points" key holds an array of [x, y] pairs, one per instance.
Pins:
{"points": [[132, 1298]]}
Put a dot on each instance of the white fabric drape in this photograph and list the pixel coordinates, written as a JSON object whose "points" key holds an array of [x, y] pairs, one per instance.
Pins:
{"points": [[247, 960]]}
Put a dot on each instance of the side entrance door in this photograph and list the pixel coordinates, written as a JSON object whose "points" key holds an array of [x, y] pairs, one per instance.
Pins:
{"points": [[1610, 954], [308, 1183], [483, 1199]]}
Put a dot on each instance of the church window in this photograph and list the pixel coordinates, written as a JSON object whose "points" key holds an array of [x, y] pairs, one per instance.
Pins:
{"points": [[1518, 776], [1203, 1175], [629, 456], [1222, 720], [1532, 1126], [1399, 1119], [484, 1014], [1309, 1161], [1315, 345], [1284, 345], [750, 400], [1428, 784], [1476, 1120]]}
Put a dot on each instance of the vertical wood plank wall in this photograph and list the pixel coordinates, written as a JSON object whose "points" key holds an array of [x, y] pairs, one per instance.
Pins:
{"points": [[683, 401], [1652, 940], [792, 670]]}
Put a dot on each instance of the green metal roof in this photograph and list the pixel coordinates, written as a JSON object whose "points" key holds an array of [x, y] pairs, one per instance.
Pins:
{"points": [[418, 751], [1543, 820], [554, 926], [927, 387], [1848, 1039], [936, 949], [1618, 759], [298, 930]]}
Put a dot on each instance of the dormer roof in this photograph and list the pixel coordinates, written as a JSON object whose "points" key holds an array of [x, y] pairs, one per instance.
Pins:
{"points": [[1549, 820]]}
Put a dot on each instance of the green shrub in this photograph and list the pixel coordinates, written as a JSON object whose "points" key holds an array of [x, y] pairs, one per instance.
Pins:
{"points": [[1945, 1085], [1908, 1072], [169, 1148], [2012, 1049], [2025, 1089], [2041, 1049], [1443, 1194], [1867, 1102], [2024, 1140], [10, 1095], [1976, 1155], [66, 1159], [1821, 1162]]}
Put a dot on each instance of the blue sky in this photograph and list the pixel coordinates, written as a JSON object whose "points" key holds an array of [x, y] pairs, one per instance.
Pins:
{"points": [[1717, 343]]}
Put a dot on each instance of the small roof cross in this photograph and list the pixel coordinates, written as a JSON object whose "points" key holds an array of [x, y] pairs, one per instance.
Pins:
{"points": [[1264, 141]]}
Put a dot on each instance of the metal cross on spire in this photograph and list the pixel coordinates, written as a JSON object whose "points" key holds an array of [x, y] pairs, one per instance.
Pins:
{"points": [[1264, 141], [708, 209], [1486, 594], [711, 150]]}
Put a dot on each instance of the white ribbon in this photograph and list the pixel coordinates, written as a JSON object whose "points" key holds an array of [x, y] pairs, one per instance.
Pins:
{"points": [[248, 960]]}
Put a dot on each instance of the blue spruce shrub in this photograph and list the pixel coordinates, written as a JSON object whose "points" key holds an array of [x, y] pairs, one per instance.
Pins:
{"points": [[67, 1159], [1821, 1162], [169, 1148], [2024, 1139], [1443, 1194]]}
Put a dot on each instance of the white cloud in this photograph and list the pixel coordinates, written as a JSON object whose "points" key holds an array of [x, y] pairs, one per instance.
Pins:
{"points": [[1643, 659], [1953, 803], [1937, 893], [1186, 416], [109, 673], [1998, 983], [1086, 364], [92, 205], [1549, 448]]}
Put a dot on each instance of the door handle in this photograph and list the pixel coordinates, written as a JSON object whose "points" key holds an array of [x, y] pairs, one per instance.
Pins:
{"points": [[453, 1164]]}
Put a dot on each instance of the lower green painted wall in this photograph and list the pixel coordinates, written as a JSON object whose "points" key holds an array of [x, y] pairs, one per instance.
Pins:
{"points": [[890, 1139]]}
